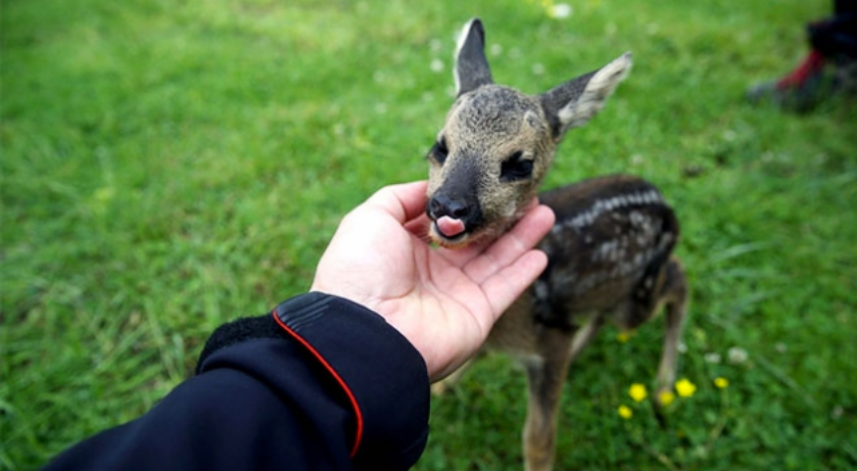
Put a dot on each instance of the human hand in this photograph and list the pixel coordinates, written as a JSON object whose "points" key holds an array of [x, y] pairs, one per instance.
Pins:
{"points": [[443, 301]]}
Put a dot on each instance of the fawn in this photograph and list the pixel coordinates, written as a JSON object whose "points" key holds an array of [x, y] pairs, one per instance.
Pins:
{"points": [[609, 250]]}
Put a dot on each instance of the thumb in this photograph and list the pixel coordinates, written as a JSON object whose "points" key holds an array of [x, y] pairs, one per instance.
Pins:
{"points": [[404, 202]]}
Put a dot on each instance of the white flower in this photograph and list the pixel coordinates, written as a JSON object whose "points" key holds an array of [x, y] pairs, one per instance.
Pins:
{"points": [[712, 357], [737, 355], [561, 10], [436, 65], [836, 413]]}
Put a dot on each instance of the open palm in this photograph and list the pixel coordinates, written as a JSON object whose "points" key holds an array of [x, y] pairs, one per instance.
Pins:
{"points": [[443, 301]]}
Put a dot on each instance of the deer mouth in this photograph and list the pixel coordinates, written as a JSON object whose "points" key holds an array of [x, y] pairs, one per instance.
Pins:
{"points": [[455, 222], [449, 232], [450, 227]]}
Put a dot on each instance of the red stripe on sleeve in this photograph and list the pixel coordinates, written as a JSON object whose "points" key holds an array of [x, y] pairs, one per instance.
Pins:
{"points": [[359, 434]]}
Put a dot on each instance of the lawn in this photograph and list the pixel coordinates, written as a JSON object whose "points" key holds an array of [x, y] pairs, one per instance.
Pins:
{"points": [[169, 166]]}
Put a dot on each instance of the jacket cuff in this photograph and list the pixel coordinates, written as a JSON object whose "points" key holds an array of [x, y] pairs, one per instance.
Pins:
{"points": [[383, 375]]}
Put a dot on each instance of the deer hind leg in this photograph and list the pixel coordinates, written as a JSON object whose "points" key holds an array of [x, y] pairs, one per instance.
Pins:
{"points": [[584, 335], [674, 294], [546, 376], [663, 284]]}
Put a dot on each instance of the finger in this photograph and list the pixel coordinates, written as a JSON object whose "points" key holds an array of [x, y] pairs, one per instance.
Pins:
{"points": [[404, 201], [461, 257], [528, 232], [419, 226], [506, 285]]}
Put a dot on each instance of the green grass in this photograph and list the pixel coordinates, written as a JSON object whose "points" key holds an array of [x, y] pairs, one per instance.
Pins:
{"points": [[169, 166]]}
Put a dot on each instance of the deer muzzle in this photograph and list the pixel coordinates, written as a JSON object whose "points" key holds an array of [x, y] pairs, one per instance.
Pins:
{"points": [[454, 219]]}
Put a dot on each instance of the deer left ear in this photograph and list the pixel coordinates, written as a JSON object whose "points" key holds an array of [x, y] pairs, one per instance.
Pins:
{"points": [[575, 102], [471, 65]]}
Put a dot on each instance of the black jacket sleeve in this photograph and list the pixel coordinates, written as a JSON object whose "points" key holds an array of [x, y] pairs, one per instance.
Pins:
{"points": [[322, 383]]}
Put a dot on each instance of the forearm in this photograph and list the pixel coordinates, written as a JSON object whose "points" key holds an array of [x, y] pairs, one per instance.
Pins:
{"points": [[322, 383]]}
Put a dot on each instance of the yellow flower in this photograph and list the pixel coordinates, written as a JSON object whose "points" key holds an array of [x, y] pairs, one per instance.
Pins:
{"points": [[625, 412], [623, 337], [721, 382], [637, 392], [685, 388], [667, 398]]}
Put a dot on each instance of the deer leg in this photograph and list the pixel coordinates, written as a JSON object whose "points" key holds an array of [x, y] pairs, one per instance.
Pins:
{"points": [[674, 294], [441, 387], [546, 376], [583, 336]]}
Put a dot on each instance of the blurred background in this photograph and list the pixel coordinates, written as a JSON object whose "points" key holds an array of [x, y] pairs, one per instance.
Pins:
{"points": [[169, 166]]}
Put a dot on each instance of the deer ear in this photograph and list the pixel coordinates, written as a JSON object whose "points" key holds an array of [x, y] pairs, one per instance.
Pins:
{"points": [[575, 102], [471, 65]]}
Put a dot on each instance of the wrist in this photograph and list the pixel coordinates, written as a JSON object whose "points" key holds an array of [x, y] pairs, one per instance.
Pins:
{"points": [[377, 367]]}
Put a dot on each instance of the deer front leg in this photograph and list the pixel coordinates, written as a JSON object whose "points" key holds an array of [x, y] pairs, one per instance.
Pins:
{"points": [[441, 387], [546, 376]]}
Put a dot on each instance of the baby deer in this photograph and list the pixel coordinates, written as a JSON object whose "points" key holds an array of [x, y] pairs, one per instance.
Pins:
{"points": [[609, 250]]}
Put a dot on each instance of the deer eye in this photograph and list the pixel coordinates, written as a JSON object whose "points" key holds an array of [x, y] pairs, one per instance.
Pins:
{"points": [[439, 151], [516, 168]]}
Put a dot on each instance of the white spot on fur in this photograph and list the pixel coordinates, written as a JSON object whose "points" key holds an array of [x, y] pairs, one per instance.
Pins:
{"points": [[599, 207], [541, 289], [605, 251]]}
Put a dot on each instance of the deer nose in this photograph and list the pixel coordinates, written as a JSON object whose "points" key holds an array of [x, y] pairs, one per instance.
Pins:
{"points": [[441, 205]]}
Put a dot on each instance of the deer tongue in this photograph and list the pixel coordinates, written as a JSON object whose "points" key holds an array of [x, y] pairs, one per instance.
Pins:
{"points": [[450, 227]]}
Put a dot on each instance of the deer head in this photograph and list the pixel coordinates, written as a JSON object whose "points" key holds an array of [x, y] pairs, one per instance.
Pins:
{"points": [[497, 144]]}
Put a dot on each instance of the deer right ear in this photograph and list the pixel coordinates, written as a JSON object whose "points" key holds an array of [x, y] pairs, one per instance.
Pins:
{"points": [[471, 65], [575, 102]]}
